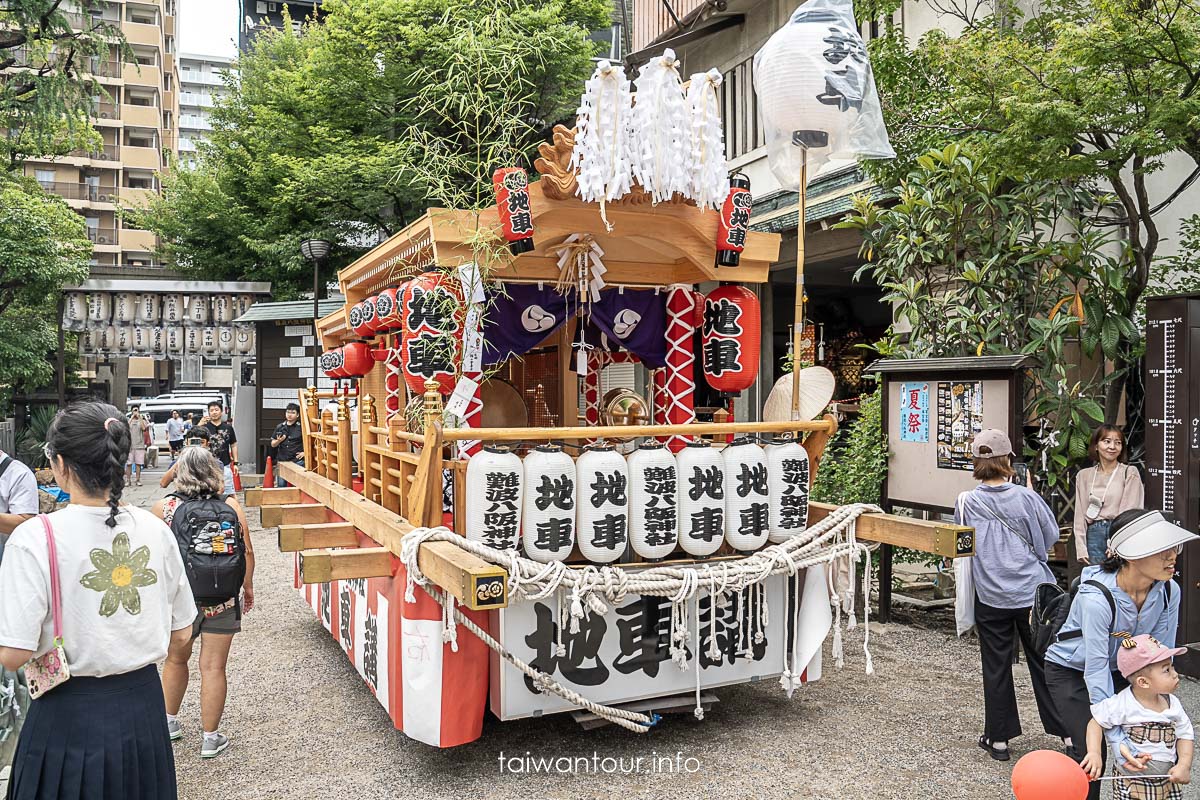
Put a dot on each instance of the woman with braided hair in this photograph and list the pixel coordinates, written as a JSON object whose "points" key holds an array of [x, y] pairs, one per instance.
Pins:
{"points": [[122, 597]]}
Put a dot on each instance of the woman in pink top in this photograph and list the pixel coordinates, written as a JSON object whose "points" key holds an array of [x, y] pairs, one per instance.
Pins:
{"points": [[1103, 492]]}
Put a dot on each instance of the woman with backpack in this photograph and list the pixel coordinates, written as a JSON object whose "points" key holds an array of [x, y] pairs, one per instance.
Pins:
{"points": [[213, 536], [1014, 532], [1131, 591], [90, 598]]}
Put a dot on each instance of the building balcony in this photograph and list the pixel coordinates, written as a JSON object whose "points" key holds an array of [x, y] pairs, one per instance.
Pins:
{"points": [[83, 192], [103, 156], [203, 78], [141, 157], [193, 100], [103, 237], [142, 75], [194, 123], [653, 19], [140, 33], [141, 116], [107, 113], [136, 198], [136, 240], [102, 69]]}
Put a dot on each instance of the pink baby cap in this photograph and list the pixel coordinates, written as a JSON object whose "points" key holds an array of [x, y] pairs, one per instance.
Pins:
{"points": [[1141, 651]]}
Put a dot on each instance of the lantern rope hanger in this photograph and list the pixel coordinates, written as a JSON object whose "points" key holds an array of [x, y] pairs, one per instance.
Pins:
{"points": [[830, 540]]}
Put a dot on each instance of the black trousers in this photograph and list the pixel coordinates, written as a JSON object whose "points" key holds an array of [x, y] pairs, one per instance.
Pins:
{"points": [[999, 631], [1074, 708]]}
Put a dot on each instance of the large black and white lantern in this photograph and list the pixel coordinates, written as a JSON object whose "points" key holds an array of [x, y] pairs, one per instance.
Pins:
{"points": [[701, 498], [653, 501], [75, 311], [99, 306], [747, 506], [198, 309], [208, 341], [603, 503], [244, 338], [125, 307], [148, 308], [175, 345], [223, 308], [172, 309], [141, 338], [788, 476], [494, 481], [124, 341], [549, 518], [193, 341]]}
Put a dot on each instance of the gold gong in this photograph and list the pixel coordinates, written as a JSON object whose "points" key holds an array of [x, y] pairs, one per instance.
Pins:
{"points": [[624, 407]]}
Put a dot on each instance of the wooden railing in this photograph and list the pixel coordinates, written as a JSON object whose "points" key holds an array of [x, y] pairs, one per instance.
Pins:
{"points": [[328, 436]]}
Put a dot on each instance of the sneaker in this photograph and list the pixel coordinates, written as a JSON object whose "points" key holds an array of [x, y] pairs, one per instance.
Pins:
{"points": [[214, 745], [174, 729]]}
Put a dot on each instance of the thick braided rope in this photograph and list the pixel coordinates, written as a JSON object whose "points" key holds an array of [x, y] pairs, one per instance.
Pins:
{"points": [[828, 540], [638, 723]]}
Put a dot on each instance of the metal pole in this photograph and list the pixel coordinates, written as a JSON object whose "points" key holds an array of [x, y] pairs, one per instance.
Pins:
{"points": [[798, 319], [316, 316]]}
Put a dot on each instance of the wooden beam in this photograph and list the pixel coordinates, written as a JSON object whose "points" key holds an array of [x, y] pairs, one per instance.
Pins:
{"points": [[464, 573], [473, 582], [302, 513], [323, 566], [629, 431], [940, 538], [271, 516], [272, 497], [318, 536]]}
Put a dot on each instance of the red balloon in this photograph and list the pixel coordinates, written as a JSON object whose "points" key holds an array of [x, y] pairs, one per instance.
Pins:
{"points": [[1048, 775], [731, 338]]}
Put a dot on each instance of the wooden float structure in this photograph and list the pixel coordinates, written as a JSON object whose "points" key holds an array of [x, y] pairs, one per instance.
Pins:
{"points": [[370, 478]]}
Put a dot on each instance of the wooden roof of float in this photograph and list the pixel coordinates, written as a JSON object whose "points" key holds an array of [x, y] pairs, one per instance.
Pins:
{"points": [[649, 245]]}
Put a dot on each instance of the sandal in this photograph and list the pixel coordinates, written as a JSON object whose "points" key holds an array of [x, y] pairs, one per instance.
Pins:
{"points": [[995, 753]]}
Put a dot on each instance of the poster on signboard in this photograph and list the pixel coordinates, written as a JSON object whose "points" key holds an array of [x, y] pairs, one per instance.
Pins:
{"points": [[959, 418], [914, 412]]}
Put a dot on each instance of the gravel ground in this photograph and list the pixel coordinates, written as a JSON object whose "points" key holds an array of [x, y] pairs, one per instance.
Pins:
{"points": [[304, 726]]}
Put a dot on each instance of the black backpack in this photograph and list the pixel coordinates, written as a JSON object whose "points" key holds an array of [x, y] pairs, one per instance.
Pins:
{"points": [[1051, 605], [210, 539]]}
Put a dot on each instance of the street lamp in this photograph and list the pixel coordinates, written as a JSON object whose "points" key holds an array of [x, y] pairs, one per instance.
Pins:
{"points": [[315, 250]]}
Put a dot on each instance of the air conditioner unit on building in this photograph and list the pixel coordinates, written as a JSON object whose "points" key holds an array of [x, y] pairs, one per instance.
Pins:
{"points": [[102, 239], [105, 115], [105, 198], [103, 156]]}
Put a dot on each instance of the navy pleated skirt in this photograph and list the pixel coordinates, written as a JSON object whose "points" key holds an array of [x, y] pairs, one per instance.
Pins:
{"points": [[96, 739]]}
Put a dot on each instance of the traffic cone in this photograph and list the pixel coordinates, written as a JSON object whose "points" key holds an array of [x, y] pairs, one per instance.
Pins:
{"points": [[269, 475], [237, 480]]}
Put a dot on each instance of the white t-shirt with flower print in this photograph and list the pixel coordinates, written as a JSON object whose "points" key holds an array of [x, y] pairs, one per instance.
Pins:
{"points": [[124, 589]]}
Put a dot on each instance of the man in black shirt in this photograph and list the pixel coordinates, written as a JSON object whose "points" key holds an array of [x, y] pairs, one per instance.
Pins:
{"points": [[222, 442], [288, 441]]}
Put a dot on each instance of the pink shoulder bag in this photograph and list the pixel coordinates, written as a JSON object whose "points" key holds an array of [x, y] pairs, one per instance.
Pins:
{"points": [[50, 669]]}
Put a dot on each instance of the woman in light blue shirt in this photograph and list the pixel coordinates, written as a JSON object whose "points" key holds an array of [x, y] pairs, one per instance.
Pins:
{"points": [[1135, 581], [1014, 531]]}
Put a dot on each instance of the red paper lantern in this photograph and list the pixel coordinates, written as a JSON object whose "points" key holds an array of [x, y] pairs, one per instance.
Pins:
{"points": [[370, 320], [431, 344], [357, 360], [358, 319], [731, 338], [333, 362], [387, 311], [512, 201], [735, 222], [1048, 775]]}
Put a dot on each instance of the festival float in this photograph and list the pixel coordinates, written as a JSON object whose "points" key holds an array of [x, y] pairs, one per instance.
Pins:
{"points": [[482, 524]]}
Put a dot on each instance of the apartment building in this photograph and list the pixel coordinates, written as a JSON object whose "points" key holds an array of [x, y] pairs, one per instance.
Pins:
{"points": [[260, 15], [135, 115], [200, 85]]}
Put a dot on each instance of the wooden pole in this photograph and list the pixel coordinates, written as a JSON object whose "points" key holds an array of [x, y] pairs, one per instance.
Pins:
{"points": [[630, 431], [798, 319]]}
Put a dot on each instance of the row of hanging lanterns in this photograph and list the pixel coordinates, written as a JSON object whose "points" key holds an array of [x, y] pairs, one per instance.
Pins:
{"points": [[654, 501], [152, 308], [167, 340]]}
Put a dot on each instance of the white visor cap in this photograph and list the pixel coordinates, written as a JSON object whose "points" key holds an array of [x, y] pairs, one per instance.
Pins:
{"points": [[1146, 535]]}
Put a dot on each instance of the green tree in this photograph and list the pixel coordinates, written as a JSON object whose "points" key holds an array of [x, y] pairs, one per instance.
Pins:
{"points": [[43, 247], [46, 89], [980, 262], [1096, 92], [335, 129]]}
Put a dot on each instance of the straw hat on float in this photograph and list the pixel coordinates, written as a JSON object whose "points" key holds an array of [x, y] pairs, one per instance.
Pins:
{"points": [[816, 390]]}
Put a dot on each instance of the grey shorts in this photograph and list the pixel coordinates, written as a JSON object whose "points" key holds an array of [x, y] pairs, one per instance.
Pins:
{"points": [[228, 621]]}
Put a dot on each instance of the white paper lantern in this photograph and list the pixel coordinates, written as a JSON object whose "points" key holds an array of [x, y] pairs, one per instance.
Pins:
{"points": [[193, 339], [158, 341], [494, 480], [141, 339], [548, 526], [813, 78], [75, 310], [107, 339], [747, 501], [99, 307], [197, 309], [148, 308], [603, 504], [653, 501], [208, 341], [242, 303], [175, 340], [222, 308], [125, 307], [89, 340], [225, 340], [172, 309], [788, 477], [124, 339], [701, 499], [244, 343]]}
